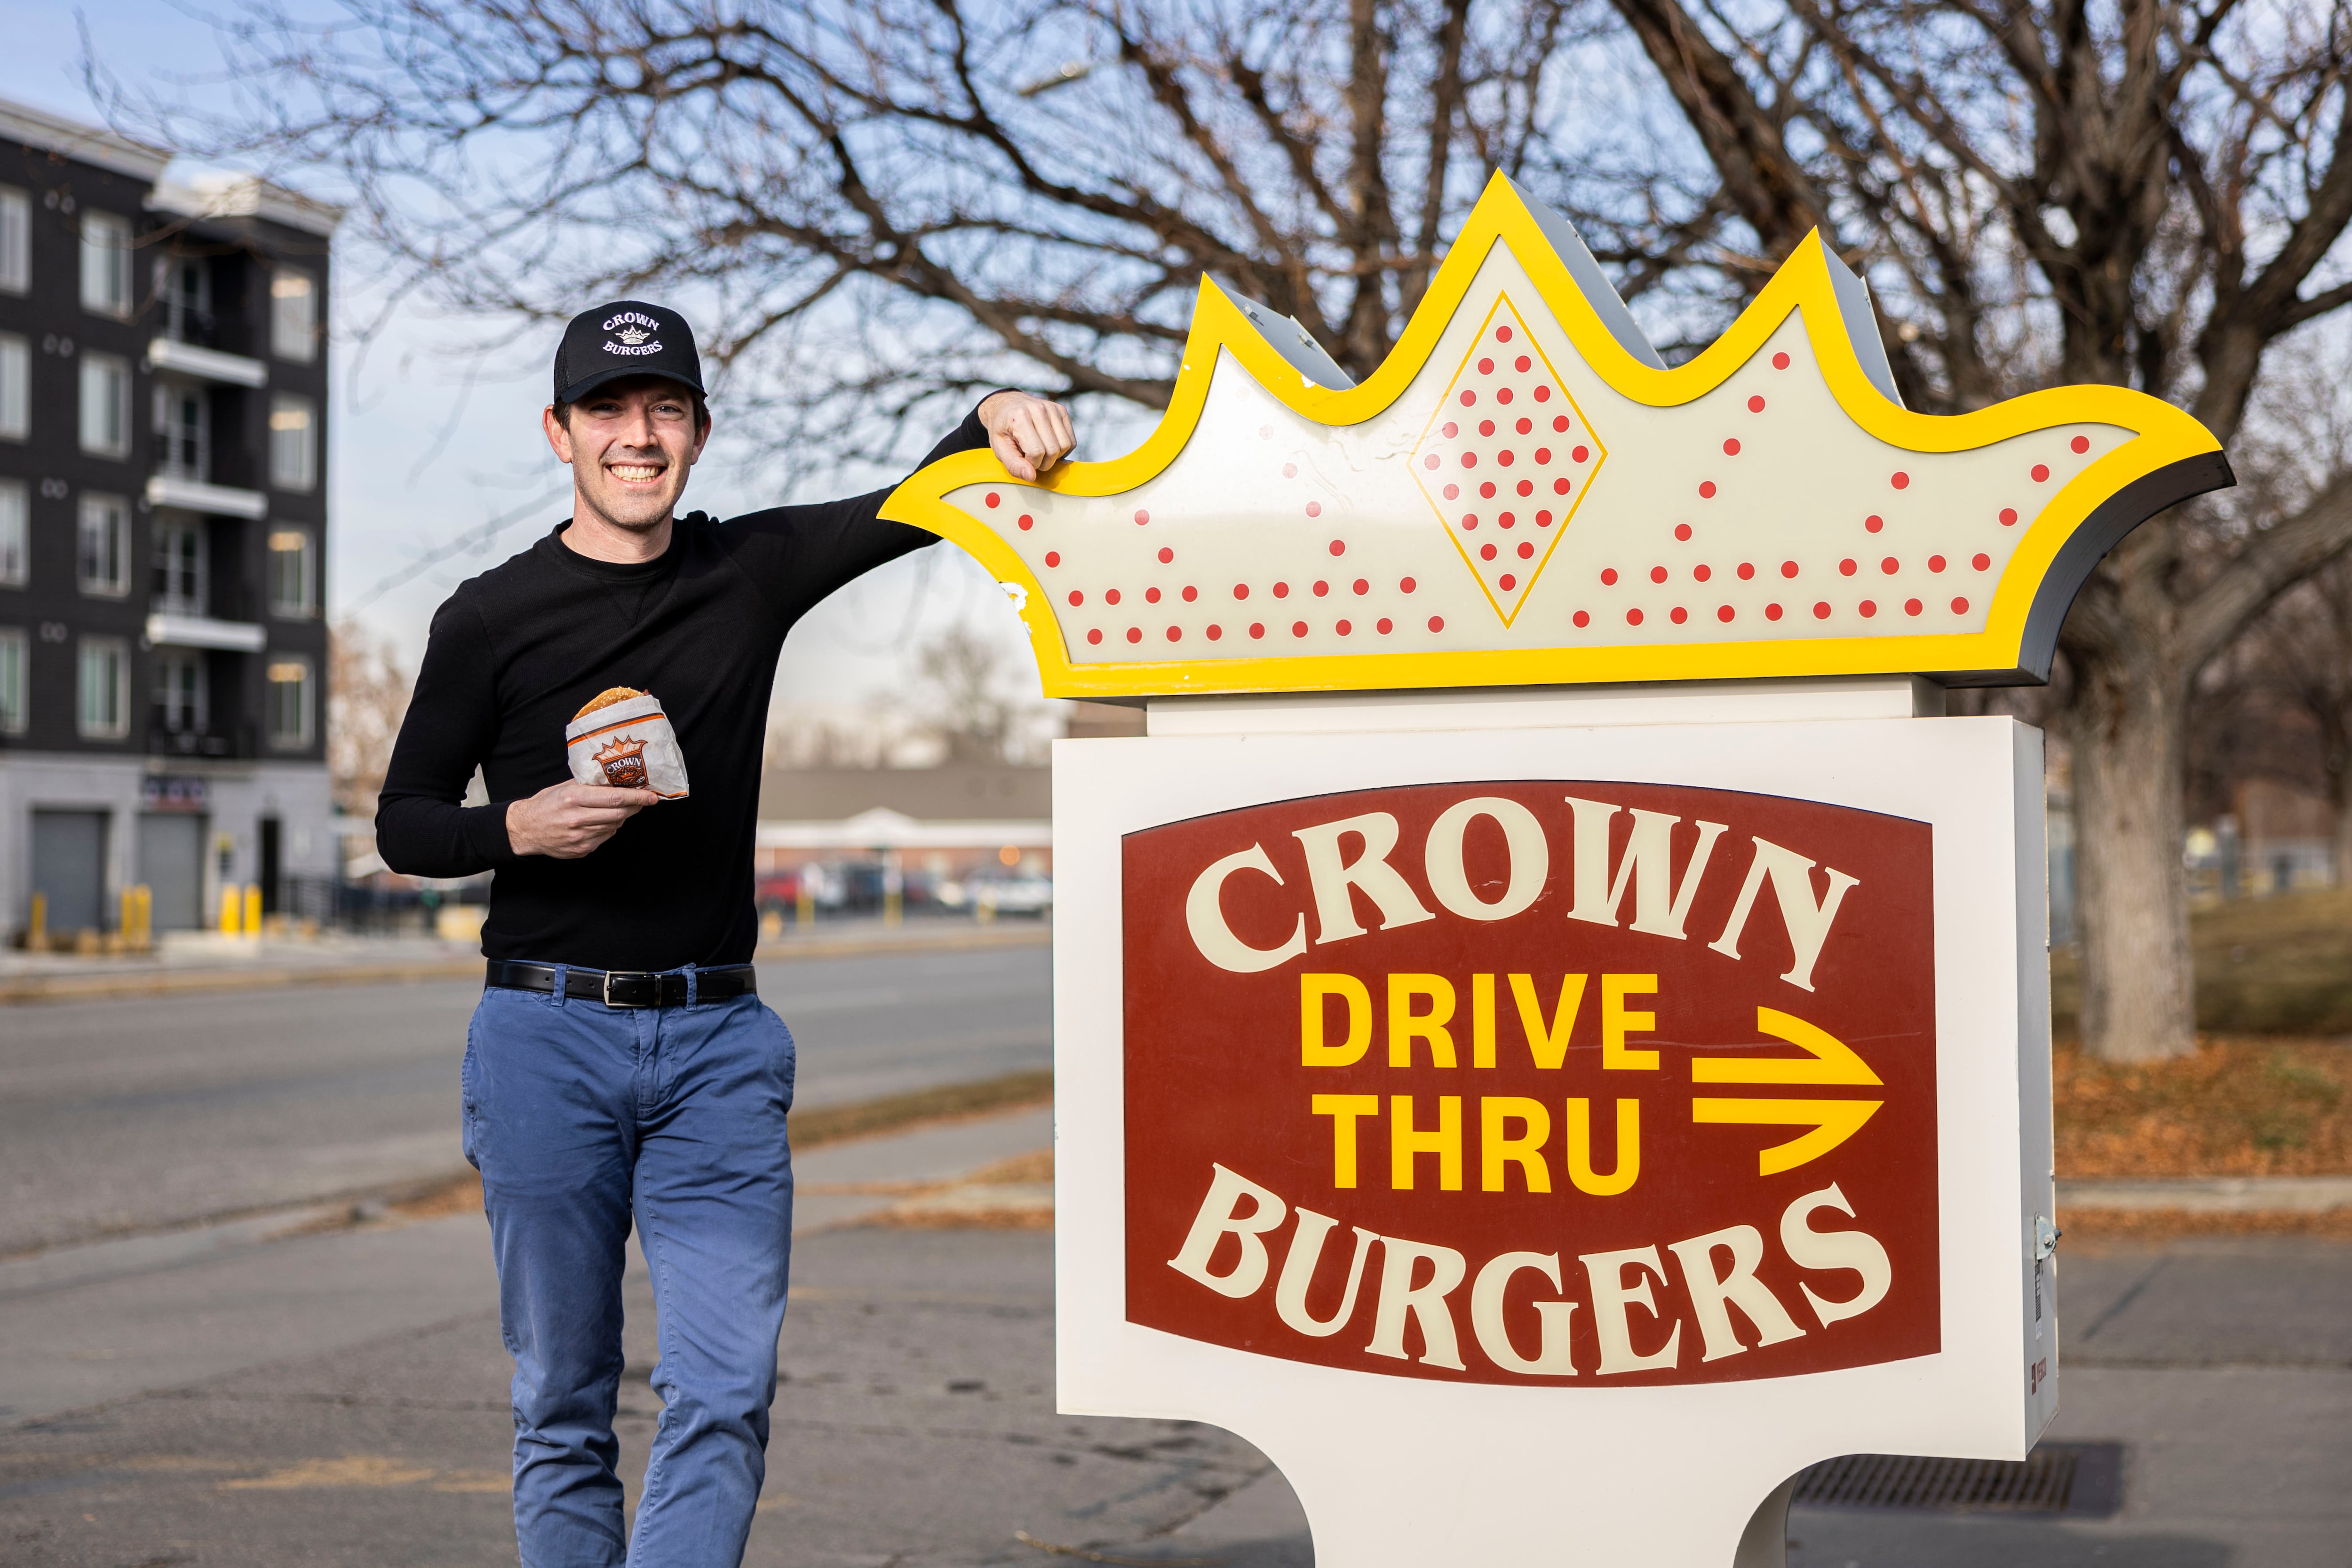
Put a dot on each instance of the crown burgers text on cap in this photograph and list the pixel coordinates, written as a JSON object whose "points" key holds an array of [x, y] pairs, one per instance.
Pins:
{"points": [[625, 337]]}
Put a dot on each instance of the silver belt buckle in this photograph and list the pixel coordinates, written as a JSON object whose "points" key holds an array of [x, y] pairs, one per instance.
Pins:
{"points": [[612, 975]]}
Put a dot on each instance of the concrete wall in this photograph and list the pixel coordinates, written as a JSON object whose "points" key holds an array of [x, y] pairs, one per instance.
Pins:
{"points": [[236, 796]]}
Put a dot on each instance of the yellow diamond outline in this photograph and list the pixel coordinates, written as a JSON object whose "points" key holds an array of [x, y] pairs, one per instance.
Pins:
{"points": [[1568, 513]]}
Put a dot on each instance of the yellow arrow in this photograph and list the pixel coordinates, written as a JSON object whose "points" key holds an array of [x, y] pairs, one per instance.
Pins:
{"points": [[1832, 1120], [1832, 1062]]}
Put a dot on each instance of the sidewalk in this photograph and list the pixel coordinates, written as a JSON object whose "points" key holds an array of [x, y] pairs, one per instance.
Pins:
{"points": [[87, 1324], [268, 1403], [199, 961]]}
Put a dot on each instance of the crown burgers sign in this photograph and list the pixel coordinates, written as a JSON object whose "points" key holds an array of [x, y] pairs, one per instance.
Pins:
{"points": [[1551, 1022], [1524, 1081]]}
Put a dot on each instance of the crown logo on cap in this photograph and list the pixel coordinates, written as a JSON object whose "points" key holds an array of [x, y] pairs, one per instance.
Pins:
{"points": [[1525, 493], [632, 336]]}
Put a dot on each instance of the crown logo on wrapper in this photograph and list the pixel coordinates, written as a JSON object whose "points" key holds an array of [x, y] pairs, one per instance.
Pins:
{"points": [[1525, 493], [624, 762]]}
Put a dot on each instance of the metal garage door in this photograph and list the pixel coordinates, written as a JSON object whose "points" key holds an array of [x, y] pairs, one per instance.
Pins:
{"points": [[172, 864], [69, 868]]}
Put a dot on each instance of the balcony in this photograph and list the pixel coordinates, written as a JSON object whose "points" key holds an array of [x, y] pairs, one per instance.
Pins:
{"points": [[171, 631], [202, 495], [206, 364], [212, 740]]}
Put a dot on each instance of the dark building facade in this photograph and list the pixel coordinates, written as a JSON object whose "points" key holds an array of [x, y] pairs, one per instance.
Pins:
{"points": [[162, 532]]}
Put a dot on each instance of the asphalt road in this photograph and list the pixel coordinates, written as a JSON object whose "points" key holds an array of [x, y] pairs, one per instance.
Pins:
{"points": [[133, 1114]]}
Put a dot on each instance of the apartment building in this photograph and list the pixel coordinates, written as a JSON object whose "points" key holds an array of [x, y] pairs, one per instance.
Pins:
{"points": [[162, 532]]}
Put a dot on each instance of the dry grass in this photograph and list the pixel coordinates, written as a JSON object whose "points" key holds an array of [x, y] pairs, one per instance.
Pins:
{"points": [[2238, 1107], [463, 1194], [1037, 1165], [2281, 964], [1030, 1217], [896, 1112], [831, 1124]]}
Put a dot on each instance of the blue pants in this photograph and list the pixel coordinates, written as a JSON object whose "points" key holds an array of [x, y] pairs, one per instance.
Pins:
{"points": [[580, 1116]]}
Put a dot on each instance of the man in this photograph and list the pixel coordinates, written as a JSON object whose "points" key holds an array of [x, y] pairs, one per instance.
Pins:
{"points": [[619, 1065]]}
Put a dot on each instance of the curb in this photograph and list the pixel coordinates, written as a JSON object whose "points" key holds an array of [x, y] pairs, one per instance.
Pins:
{"points": [[163, 982], [2212, 1195], [783, 952]]}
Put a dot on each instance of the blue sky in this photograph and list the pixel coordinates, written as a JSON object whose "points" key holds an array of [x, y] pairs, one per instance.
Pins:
{"points": [[418, 458]]}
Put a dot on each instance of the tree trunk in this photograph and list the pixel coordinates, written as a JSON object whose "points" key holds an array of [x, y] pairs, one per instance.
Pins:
{"points": [[2124, 726]]}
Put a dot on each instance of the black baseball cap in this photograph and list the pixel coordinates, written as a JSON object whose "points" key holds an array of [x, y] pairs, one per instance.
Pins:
{"points": [[625, 337]]}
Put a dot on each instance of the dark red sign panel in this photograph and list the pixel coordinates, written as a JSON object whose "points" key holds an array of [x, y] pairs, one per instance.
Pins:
{"points": [[1576, 1083]]}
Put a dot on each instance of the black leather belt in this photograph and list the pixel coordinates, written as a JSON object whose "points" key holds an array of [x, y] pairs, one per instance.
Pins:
{"points": [[625, 988]]}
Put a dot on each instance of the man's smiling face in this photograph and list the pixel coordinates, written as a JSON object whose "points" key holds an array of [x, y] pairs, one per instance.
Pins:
{"points": [[631, 444]]}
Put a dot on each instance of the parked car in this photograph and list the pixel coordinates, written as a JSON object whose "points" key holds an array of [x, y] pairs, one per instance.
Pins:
{"points": [[1003, 892]]}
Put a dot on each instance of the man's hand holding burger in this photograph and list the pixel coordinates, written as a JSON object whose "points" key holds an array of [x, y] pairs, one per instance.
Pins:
{"points": [[567, 821]]}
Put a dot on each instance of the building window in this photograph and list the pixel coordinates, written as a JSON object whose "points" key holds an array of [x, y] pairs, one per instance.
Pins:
{"points": [[105, 405], [180, 695], [104, 537], [290, 575], [16, 241], [185, 284], [180, 566], [105, 689], [12, 680], [293, 443], [16, 533], [294, 315], [289, 702], [106, 264], [184, 429], [16, 388]]}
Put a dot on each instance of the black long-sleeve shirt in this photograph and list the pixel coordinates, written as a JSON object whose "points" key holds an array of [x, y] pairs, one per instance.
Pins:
{"points": [[515, 651]]}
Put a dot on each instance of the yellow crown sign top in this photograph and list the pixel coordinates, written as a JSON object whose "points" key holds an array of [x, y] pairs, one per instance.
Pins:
{"points": [[1524, 493]]}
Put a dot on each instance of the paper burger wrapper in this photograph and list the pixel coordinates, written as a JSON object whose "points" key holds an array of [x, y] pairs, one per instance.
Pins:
{"points": [[629, 744]]}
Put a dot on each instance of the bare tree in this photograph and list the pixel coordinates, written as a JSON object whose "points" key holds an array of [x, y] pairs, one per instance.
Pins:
{"points": [[367, 696], [2299, 665], [807, 741], [2149, 194], [892, 201], [886, 202], [2276, 702], [965, 698]]}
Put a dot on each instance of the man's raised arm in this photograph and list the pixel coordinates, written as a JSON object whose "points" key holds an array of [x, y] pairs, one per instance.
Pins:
{"points": [[800, 554]]}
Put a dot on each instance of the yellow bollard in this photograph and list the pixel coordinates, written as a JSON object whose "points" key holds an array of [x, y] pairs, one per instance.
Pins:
{"points": [[893, 907], [36, 930], [232, 915], [804, 909], [252, 909], [146, 917], [132, 927]]}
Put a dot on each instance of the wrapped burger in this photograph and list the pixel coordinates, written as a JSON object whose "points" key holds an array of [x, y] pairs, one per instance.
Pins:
{"points": [[621, 738]]}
